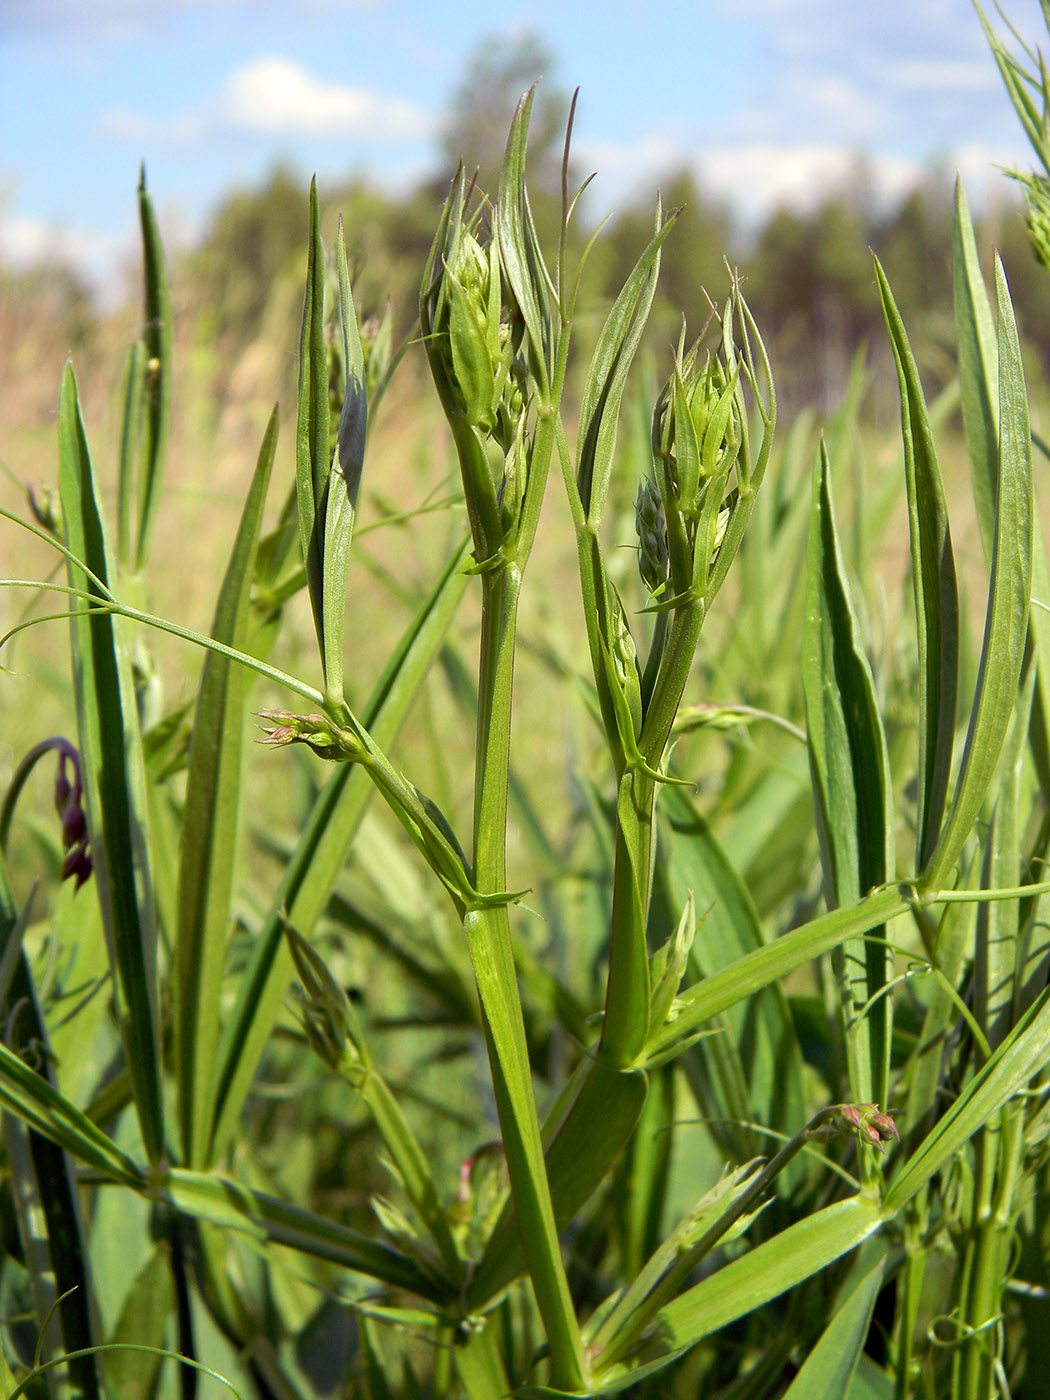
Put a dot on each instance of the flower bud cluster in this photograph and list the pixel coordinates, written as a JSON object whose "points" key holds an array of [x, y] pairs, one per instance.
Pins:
{"points": [[1037, 215], [474, 337], [698, 434], [327, 1017], [865, 1120], [651, 528], [318, 732]]}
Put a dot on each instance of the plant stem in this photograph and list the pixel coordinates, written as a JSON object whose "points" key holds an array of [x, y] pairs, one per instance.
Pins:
{"points": [[488, 937]]}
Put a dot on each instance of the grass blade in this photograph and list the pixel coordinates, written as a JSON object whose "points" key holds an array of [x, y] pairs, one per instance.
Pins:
{"points": [[978, 367], [209, 829], [50, 1113], [851, 783], [312, 458], [933, 580], [827, 1371], [111, 755], [1006, 621], [740, 1287], [341, 487], [1019, 1056], [157, 338], [607, 375], [729, 928], [269, 1220]]}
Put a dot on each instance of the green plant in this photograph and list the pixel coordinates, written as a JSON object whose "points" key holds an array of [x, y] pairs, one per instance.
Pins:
{"points": [[589, 1251]]}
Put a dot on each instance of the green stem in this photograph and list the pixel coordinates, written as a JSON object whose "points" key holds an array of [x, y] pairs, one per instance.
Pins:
{"points": [[999, 1162], [488, 937], [625, 1026]]}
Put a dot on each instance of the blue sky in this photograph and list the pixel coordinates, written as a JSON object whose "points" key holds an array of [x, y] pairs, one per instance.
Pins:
{"points": [[768, 100]]}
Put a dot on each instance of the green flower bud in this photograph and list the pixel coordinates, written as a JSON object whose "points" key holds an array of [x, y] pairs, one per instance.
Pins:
{"points": [[667, 968], [651, 529], [46, 507], [1037, 216], [327, 1017]]}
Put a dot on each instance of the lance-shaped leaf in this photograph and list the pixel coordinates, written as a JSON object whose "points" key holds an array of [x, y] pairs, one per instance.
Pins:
{"points": [[156, 375], [269, 1220], [1018, 1057], [209, 829], [519, 247], [114, 781], [344, 480], [979, 396], [326, 488], [851, 782], [934, 584], [978, 367], [30, 1096], [827, 1371], [740, 1287], [607, 375], [1006, 619]]}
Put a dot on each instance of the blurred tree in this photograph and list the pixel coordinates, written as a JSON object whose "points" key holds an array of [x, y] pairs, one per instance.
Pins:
{"points": [[499, 70], [809, 283], [253, 236]]}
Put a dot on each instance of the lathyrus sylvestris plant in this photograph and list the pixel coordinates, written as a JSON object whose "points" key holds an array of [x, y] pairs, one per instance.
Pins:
{"points": [[497, 327]]}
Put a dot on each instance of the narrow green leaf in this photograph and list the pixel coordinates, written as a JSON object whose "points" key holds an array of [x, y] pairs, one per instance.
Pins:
{"points": [[132, 1375], [342, 485], [209, 829], [607, 374], [747, 975], [157, 374], [111, 757], [978, 368], [519, 248], [130, 440], [827, 1372], [1006, 620], [43, 1108], [851, 782], [321, 855], [740, 1287], [728, 928], [266, 1219], [934, 584], [1019, 1056], [312, 460]]}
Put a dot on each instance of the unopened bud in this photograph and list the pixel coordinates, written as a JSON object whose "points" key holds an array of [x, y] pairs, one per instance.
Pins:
{"points": [[318, 732], [651, 529]]}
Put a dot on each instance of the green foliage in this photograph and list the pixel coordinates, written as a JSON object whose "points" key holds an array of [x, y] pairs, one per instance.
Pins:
{"points": [[693, 1130]]}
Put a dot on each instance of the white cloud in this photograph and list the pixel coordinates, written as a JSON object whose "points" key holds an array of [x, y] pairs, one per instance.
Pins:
{"points": [[97, 257], [944, 75], [756, 179], [276, 96]]}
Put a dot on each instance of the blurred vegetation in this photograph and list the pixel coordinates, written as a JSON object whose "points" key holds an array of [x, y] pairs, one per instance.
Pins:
{"points": [[807, 274]]}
